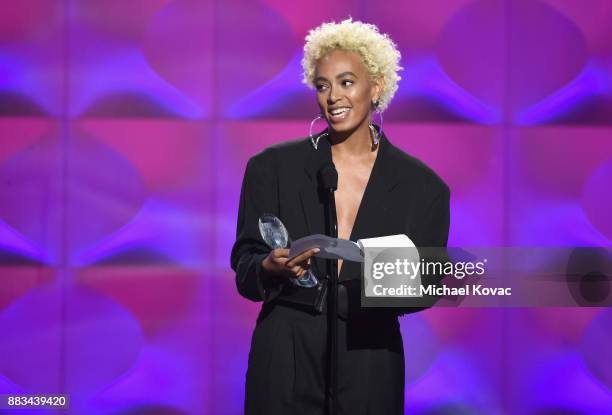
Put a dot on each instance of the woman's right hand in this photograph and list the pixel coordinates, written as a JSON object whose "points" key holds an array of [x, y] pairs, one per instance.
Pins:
{"points": [[278, 263]]}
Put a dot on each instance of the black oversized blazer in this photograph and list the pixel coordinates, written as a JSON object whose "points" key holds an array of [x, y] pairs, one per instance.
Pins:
{"points": [[403, 195]]}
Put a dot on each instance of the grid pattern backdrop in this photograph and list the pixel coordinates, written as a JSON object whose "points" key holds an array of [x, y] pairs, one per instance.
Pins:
{"points": [[125, 127]]}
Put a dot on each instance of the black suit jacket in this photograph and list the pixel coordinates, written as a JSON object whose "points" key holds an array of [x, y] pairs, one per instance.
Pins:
{"points": [[403, 195]]}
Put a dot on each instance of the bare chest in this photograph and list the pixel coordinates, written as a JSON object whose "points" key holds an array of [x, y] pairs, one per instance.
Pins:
{"points": [[352, 182]]}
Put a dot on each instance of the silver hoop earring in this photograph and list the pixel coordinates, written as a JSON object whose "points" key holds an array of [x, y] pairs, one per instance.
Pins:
{"points": [[315, 143], [376, 135]]}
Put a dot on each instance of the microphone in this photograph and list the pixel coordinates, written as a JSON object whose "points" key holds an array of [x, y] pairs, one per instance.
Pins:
{"points": [[328, 177]]}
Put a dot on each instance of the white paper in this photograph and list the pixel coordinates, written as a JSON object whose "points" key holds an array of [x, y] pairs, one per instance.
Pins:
{"points": [[336, 248], [390, 241]]}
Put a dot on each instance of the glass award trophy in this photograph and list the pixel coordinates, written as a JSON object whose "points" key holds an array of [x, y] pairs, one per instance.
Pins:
{"points": [[275, 235]]}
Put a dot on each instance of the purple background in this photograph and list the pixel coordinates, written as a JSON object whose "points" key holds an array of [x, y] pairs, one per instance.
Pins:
{"points": [[125, 127]]}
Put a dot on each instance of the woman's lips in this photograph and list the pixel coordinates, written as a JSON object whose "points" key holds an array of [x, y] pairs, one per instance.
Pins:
{"points": [[340, 116]]}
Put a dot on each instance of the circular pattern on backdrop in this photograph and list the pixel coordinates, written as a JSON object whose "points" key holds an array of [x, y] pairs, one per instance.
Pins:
{"points": [[597, 199], [595, 349], [534, 23], [72, 333], [421, 344]]}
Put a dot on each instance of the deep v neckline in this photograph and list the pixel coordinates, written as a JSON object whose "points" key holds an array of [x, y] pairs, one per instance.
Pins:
{"points": [[366, 192]]}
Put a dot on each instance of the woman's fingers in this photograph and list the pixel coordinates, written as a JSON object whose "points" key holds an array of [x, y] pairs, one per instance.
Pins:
{"points": [[295, 267], [295, 270], [280, 256], [280, 253], [302, 257]]}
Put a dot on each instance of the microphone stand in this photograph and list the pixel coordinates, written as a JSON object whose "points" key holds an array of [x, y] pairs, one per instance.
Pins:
{"points": [[332, 307], [328, 178]]}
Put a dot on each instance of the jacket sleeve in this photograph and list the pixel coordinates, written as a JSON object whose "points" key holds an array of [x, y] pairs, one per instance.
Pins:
{"points": [[432, 232], [433, 229], [258, 195]]}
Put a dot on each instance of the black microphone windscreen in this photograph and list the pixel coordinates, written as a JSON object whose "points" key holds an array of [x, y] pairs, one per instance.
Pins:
{"points": [[328, 176]]}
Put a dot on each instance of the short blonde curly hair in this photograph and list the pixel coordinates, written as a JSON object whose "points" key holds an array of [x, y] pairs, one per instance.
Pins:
{"points": [[377, 50]]}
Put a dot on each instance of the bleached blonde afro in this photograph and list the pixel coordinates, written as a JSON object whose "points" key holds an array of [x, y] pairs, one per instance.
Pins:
{"points": [[377, 50]]}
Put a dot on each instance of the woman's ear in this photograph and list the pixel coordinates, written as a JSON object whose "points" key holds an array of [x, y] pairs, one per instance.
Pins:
{"points": [[377, 87]]}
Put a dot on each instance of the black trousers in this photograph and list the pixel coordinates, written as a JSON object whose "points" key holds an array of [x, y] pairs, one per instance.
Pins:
{"points": [[287, 364]]}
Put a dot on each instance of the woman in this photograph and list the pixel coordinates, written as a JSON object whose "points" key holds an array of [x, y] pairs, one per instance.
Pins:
{"points": [[381, 191]]}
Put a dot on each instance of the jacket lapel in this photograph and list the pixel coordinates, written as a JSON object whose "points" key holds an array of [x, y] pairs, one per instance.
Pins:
{"points": [[372, 213], [312, 198], [381, 182], [370, 219]]}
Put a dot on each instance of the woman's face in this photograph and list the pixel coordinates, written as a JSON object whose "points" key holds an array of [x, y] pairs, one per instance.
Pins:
{"points": [[344, 90]]}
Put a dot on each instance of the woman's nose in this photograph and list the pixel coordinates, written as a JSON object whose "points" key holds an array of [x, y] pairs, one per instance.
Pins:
{"points": [[332, 96]]}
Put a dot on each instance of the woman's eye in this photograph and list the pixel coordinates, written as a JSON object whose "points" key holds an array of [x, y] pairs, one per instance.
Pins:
{"points": [[347, 82], [321, 87]]}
